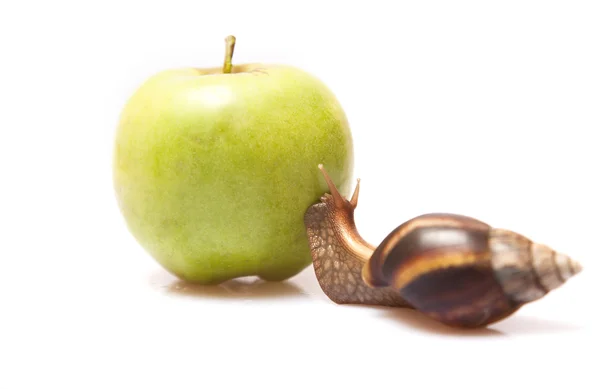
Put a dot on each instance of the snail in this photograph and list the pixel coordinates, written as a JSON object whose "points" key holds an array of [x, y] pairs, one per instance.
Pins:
{"points": [[453, 268]]}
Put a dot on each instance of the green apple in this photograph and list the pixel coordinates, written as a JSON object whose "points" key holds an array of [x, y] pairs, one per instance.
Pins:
{"points": [[214, 168]]}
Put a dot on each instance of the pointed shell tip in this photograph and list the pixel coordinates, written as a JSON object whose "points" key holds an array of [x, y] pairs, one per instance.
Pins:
{"points": [[576, 266]]}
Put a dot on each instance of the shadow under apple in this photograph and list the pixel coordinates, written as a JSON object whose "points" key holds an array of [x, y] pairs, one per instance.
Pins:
{"points": [[239, 288]]}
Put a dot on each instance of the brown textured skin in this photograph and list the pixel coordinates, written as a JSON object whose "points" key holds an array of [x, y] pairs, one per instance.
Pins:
{"points": [[339, 254]]}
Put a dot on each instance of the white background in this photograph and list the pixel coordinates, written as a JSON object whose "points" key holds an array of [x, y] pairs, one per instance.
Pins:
{"points": [[489, 109]]}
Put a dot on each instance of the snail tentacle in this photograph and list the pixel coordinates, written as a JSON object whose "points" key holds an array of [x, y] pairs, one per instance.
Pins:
{"points": [[339, 252]]}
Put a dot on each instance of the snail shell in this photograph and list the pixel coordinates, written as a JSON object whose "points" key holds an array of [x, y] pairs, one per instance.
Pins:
{"points": [[462, 272], [453, 268]]}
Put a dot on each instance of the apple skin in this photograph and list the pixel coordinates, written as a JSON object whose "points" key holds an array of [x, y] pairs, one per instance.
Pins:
{"points": [[213, 172]]}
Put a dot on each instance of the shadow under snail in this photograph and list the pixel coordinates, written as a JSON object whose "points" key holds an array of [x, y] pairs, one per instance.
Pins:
{"points": [[453, 268]]}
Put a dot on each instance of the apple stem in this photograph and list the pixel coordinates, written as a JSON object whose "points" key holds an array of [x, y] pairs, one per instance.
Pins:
{"points": [[229, 46]]}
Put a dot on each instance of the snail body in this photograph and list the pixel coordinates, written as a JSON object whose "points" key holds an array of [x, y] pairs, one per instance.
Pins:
{"points": [[453, 268]]}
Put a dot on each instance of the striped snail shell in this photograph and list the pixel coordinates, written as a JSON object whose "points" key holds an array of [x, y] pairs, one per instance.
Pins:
{"points": [[455, 269]]}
